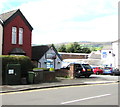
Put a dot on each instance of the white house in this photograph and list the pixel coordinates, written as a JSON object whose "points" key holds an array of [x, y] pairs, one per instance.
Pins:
{"points": [[1, 33], [116, 52], [107, 57], [46, 56]]}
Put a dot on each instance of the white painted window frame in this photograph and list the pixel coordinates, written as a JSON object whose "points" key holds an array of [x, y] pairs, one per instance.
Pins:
{"points": [[14, 35], [20, 36]]}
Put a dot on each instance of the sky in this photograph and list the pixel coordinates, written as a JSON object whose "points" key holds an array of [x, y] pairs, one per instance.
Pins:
{"points": [[58, 21]]}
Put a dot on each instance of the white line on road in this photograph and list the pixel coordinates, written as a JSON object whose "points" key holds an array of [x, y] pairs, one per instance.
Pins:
{"points": [[85, 98]]}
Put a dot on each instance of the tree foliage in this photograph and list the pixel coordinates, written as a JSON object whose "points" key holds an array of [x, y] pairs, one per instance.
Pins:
{"points": [[73, 48], [62, 48]]}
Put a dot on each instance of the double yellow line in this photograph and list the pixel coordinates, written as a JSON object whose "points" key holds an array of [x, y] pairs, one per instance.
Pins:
{"points": [[53, 88]]}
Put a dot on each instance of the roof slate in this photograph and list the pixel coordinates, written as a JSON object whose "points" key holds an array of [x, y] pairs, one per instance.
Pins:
{"points": [[7, 15], [95, 55], [39, 51], [17, 51]]}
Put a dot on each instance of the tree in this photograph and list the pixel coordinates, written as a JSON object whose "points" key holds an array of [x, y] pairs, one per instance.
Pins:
{"points": [[86, 50], [77, 47], [62, 48], [73, 48]]}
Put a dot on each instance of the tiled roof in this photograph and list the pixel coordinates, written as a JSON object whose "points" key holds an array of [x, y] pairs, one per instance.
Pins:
{"points": [[17, 51], [116, 41], [7, 15], [95, 55], [39, 51], [109, 47]]}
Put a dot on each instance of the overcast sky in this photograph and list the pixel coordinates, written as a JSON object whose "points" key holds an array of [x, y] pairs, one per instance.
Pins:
{"points": [[57, 21]]}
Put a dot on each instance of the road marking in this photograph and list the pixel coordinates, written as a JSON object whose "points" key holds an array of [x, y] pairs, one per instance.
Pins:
{"points": [[72, 101], [26, 91]]}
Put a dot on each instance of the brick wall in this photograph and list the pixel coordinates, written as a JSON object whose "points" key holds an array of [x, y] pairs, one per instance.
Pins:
{"points": [[62, 73], [48, 76], [65, 72], [44, 76]]}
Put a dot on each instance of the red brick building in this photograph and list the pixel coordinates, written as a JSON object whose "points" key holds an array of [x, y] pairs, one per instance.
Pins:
{"points": [[17, 34]]}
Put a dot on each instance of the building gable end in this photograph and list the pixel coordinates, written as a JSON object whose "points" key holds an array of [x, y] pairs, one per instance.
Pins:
{"points": [[18, 12], [56, 52]]}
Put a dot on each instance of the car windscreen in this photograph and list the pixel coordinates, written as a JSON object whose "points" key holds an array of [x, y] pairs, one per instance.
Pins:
{"points": [[100, 68], [107, 68], [86, 66]]}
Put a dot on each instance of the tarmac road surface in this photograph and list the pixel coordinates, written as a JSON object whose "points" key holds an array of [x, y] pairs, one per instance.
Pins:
{"points": [[99, 94]]}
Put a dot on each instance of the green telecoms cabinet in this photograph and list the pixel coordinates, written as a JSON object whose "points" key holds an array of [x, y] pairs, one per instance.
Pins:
{"points": [[13, 74]]}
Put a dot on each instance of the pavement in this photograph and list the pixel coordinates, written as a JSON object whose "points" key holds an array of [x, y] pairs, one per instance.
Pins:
{"points": [[61, 82]]}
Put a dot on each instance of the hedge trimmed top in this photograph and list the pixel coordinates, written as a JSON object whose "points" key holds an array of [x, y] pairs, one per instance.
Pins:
{"points": [[24, 61]]}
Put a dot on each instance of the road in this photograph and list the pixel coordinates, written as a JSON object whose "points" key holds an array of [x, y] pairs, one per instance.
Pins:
{"points": [[106, 77], [100, 94]]}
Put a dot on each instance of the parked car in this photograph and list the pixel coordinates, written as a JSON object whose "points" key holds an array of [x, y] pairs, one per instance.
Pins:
{"points": [[98, 70], [116, 72], [107, 70], [83, 70]]}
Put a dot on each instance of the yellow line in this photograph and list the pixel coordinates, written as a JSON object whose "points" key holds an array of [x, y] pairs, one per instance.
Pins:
{"points": [[53, 88]]}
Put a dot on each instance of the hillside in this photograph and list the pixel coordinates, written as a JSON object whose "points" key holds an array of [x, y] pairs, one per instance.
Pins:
{"points": [[88, 44]]}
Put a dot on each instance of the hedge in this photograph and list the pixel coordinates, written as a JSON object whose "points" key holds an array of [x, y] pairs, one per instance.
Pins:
{"points": [[24, 61], [40, 69], [43, 69]]}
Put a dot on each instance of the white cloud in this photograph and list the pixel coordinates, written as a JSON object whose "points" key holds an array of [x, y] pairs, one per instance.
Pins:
{"points": [[101, 29], [71, 20]]}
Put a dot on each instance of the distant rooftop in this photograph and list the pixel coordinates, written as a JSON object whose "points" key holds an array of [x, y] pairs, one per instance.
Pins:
{"points": [[108, 47], [116, 41], [72, 53]]}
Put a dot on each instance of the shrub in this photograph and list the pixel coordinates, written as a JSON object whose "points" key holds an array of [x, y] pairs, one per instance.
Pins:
{"points": [[51, 69], [24, 61], [44, 69]]}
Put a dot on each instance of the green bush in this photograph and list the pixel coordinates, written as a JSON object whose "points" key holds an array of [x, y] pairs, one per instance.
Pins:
{"points": [[51, 69], [24, 61], [44, 69]]}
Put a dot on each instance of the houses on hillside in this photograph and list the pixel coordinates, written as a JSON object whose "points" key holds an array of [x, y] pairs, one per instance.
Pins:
{"points": [[15, 34]]}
